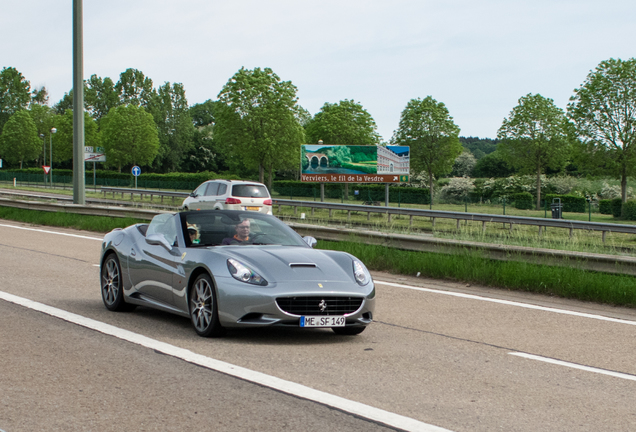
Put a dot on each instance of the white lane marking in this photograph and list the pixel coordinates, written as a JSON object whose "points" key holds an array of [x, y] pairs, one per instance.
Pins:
{"points": [[575, 366], [511, 303], [51, 232], [298, 390]]}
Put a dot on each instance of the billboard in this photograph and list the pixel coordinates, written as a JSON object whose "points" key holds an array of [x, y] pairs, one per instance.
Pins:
{"points": [[354, 164]]}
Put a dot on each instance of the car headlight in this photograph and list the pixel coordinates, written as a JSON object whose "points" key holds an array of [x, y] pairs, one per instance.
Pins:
{"points": [[360, 273], [243, 273]]}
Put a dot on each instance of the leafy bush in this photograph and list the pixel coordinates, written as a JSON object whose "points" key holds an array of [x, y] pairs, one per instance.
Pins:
{"points": [[629, 210], [617, 207], [605, 206], [571, 203], [523, 200], [457, 189]]}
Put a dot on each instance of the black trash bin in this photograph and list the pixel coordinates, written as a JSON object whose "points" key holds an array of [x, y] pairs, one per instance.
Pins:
{"points": [[557, 208]]}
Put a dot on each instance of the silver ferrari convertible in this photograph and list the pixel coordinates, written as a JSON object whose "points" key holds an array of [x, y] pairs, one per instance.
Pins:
{"points": [[224, 269]]}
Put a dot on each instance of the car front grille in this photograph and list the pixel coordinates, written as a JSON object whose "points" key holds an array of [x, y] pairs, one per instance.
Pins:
{"points": [[318, 305]]}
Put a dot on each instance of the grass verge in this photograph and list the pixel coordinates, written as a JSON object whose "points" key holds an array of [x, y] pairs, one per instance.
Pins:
{"points": [[102, 224], [470, 266]]}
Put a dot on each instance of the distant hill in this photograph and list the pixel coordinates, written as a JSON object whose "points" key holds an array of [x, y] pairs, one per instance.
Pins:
{"points": [[479, 147]]}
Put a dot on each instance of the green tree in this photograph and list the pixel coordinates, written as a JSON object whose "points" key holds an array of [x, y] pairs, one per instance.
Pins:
{"points": [[40, 96], [15, 93], [535, 137], [43, 117], [603, 110], [204, 156], [100, 96], [20, 141], [63, 139], [464, 164], [129, 136], [345, 122], [428, 129], [134, 88], [259, 121], [169, 108]]}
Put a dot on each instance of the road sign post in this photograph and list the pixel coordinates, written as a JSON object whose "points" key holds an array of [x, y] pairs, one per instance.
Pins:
{"points": [[136, 171]]}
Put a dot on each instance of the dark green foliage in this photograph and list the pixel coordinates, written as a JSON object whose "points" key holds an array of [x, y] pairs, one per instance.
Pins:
{"points": [[605, 207], [492, 166], [571, 203], [629, 210], [617, 207], [470, 266], [523, 200], [479, 147]]}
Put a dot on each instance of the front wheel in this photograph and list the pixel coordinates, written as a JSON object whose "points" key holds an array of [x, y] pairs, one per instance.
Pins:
{"points": [[112, 285], [204, 312], [348, 331]]}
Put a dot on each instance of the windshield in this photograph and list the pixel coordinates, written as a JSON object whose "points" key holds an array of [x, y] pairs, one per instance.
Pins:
{"points": [[250, 190], [231, 228]]}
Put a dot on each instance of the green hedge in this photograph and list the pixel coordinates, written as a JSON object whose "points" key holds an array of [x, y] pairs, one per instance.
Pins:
{"points": [[629, 210], [365, 192], [617, 207], [571, 203], [523, 200], [183, 181], [605, 207]]}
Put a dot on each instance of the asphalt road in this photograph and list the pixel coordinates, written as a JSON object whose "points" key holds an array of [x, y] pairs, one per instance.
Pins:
{"points": [[445, 355]]}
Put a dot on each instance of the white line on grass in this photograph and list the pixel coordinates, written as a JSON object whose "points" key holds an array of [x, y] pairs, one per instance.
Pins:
{"points": [[575, 366], [51, 232], [294, 389], [510, 303]]}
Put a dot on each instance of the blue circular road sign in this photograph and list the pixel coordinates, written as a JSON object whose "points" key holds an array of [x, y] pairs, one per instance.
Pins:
{"points": [[136, 170]]}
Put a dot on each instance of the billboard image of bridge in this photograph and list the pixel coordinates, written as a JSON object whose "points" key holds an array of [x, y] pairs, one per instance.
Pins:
{"points": [[354, 163]]}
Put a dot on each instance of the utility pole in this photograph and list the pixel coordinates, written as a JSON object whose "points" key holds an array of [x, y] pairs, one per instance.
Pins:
{"points": [[79, 196]]}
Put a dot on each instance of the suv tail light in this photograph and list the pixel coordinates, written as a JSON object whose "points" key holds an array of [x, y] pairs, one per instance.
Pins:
{"points": [[267, 202], [232, 201]]}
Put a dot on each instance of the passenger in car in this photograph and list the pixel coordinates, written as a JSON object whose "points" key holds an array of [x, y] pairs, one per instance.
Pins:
{"points": [[242, 235], [193, 232]]}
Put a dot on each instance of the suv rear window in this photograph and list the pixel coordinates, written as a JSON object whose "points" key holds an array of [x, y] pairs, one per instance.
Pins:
{"points": [[247, 190]]}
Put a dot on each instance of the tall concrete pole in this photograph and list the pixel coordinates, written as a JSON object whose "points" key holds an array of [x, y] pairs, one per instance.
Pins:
{"points": [[79, 196]]}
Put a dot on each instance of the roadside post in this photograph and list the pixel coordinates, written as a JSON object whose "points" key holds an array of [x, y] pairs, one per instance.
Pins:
{"points": [[136, 171], [94, 155]]}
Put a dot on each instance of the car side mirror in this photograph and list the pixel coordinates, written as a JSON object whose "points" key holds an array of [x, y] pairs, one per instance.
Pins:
{"points": [[193, 195], [158, 240], [310, 241]]}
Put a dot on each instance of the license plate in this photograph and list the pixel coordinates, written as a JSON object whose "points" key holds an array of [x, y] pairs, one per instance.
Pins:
{"points": [[253, 208], [322, 321]]}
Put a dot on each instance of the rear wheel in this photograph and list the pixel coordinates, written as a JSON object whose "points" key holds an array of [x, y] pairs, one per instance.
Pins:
{"points": [[204, 312], [112, 285], [348, 331]]}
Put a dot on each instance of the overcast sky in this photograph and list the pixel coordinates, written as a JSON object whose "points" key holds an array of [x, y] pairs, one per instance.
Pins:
{"points": [[477, 57]]}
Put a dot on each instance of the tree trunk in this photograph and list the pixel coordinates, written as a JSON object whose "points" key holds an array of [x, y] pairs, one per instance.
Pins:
{"points": [[261, 173], [539, 187], [624, 185], [20, 164], [430, 185]]}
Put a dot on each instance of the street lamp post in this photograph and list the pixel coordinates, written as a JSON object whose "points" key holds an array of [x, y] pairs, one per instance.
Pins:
{"points": [[53, 130], [43, 155]]}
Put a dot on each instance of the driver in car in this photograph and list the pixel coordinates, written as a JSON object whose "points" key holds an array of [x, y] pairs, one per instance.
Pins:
{"points": [[242, 235]]}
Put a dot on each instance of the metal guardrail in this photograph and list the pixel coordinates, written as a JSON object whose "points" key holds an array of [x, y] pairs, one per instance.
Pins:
{"points": [[459, 216], [142, 192], [114, 211]]}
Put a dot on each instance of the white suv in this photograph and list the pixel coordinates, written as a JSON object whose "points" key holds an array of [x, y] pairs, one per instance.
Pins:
{"points": [[229, 195]]}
